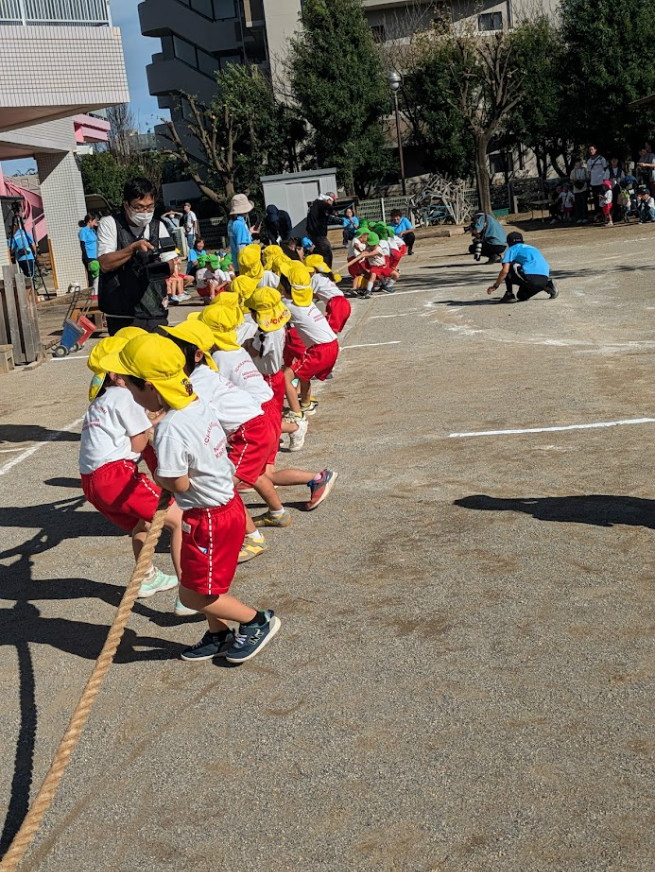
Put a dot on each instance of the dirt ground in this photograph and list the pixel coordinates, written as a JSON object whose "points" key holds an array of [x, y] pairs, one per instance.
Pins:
{"points": [[464, 676]]}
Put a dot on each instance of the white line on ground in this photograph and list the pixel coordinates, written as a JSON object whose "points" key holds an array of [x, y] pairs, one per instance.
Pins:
{"points": [[371, 344], [395, 315], [596, 426], [11, 450], [34, 448], [62, 359], [463, 288]]}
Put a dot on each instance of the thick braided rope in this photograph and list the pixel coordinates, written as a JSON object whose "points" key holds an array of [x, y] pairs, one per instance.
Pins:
{"points": [[46, 794]]}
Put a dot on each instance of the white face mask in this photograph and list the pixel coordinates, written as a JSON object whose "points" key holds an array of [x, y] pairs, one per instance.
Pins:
{"points": [[139, 219]]}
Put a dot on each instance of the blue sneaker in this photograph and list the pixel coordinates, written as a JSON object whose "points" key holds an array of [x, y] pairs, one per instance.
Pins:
{"points": [[156, 583], [211, 645], [250, 639]]}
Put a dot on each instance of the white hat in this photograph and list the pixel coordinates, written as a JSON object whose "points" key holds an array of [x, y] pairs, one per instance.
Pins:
{"points": [[240, 205]]}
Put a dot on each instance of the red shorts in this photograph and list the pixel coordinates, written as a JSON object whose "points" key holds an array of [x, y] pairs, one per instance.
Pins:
{"points": [[382, 272], [397, 255], [357, 269], [273, 408], [204, 292], [607, 209], [121, 493], [337, 313], [317, 361], [150, 458], [294, 347], [249, 448], [211, 541]]}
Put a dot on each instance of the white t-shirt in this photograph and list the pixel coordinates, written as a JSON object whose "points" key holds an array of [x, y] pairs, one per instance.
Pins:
{"points": [[232, 405], [269, 280], [270, 350], [108, 235], [324, 288], [110, 421], [567, 199], [355, 248], [606, 196], [203, 277], [311, 324], [238, 367], [191, 442], [246, 329], [189, 221], [377, 256]]}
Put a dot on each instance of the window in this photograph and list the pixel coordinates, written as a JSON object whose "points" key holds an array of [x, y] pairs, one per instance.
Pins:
{"points": [[184, 51], [379, 32], [226, 60], [490, 21], [204, 7], [500, 162], [225, 9], [206, 63]]}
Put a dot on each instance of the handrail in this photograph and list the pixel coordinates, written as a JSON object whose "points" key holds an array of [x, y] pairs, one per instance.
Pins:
{"points": [[44, 12]]}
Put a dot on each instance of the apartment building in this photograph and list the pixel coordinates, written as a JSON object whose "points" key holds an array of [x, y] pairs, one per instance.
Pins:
{"points": [[60, 60]]}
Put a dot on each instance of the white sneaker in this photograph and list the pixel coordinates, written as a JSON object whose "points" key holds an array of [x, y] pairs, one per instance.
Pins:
{"points": [[156, 583], [182, 298], [297, 439], [174, 298], [182, 611]]}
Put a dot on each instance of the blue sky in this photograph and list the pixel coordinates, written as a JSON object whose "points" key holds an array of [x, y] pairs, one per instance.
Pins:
{"points": [[138, 50]]}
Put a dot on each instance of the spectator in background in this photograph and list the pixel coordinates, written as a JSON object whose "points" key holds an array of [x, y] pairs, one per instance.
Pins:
{"points": [[88, 236], [615, 175], [171, 220], [192, 258], [403, 227], [276, 226], [190, 225], [566, 201], [237, 227], [23, 252], [555, 205], [489, 238], [646, 165], [580, 191], [318, 218], [645, 205], [350, 226], [596, 168]]}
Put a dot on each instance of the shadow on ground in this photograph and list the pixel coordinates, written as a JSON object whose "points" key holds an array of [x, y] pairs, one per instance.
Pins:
{"points": [[34, 433], [600, 510]]}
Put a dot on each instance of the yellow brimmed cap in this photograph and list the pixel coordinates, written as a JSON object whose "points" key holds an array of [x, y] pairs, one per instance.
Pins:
{"points": [[198, 334], [300, 281], [243, 286], [156, 360], [106, 346], [223, 321], [270, 311], [250, 262], [269, 255], [128, 333], [316, 262]]}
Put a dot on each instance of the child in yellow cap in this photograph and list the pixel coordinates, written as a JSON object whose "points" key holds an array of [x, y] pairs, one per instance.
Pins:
{"points": [[193, 464], [318, 338], [241, 288], [324, 286], [115, 434], [267, 350]]}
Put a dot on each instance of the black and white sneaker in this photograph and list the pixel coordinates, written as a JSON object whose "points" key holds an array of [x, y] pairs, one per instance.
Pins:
{"points": [[508, 297]]}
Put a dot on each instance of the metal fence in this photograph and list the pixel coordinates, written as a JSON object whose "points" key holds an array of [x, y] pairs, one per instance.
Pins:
{"points": [[380, 209], [76, 12]]}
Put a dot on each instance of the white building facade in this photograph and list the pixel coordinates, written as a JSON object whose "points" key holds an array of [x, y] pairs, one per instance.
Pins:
{"points": [[60, 59]]}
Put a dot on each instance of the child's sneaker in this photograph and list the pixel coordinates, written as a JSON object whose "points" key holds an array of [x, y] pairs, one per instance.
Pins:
{"points": [[249, 639], [310, 407], [182, 298], [320, 489], [211, 645], [156, 582], [388, 286], [268, 519], [181, 611], [252, 548], [297, 439]]}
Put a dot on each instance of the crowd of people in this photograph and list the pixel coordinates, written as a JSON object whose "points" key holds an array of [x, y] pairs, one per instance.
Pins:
{"points": [[207, 404]]}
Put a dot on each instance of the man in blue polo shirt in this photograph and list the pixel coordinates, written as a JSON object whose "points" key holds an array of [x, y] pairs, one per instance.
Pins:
{"points": [[23, 250], [403, 227], [524, 266], [489, 238]]}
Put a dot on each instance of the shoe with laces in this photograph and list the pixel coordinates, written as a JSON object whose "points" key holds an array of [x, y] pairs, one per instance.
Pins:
{"points": [[270, 520], [310, 407], [211, 645], [181, 611], [156, 583], [388, 286], [508, 297], [320, 489], [297, 438], [252, 548], [250, 639]]}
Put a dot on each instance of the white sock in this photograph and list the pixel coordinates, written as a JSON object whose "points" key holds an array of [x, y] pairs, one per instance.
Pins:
{"points": [[150, 574], [369, 286], [256, 536], [277, 512]]}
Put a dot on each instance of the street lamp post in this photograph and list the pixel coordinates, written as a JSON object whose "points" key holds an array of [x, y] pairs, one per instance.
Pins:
{"points": [[395, 80]]}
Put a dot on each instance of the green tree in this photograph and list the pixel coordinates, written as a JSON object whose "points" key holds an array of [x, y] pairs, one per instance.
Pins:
{"points": [[338, 82], [608, 64], [104, 174], [243, 135]]}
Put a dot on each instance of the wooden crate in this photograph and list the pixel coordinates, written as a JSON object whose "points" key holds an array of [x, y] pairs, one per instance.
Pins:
{"points": [[19, 319]]}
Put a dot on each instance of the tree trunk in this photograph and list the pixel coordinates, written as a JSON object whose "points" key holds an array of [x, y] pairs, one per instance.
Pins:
{"points": [[482, 171]]}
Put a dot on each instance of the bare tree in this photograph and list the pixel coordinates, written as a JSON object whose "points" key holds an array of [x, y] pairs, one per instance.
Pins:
{"points": [[121, 132]]}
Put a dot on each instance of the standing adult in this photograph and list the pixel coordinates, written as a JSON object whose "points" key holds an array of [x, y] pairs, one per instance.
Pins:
{"points": [[350, 226], [580, 191], [127, 293], [489, 238], [276, 226], [190, 225], [237, 228], [596, 169], [23, 251], [403, 227], [646, 167], [317, 225], [88, 236]]}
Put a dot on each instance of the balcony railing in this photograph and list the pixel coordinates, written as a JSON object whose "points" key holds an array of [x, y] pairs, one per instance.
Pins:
{"points": [[92, 13]]}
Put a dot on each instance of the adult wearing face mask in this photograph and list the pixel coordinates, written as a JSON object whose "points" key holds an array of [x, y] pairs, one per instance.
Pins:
{"points": [[127, 296]]}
